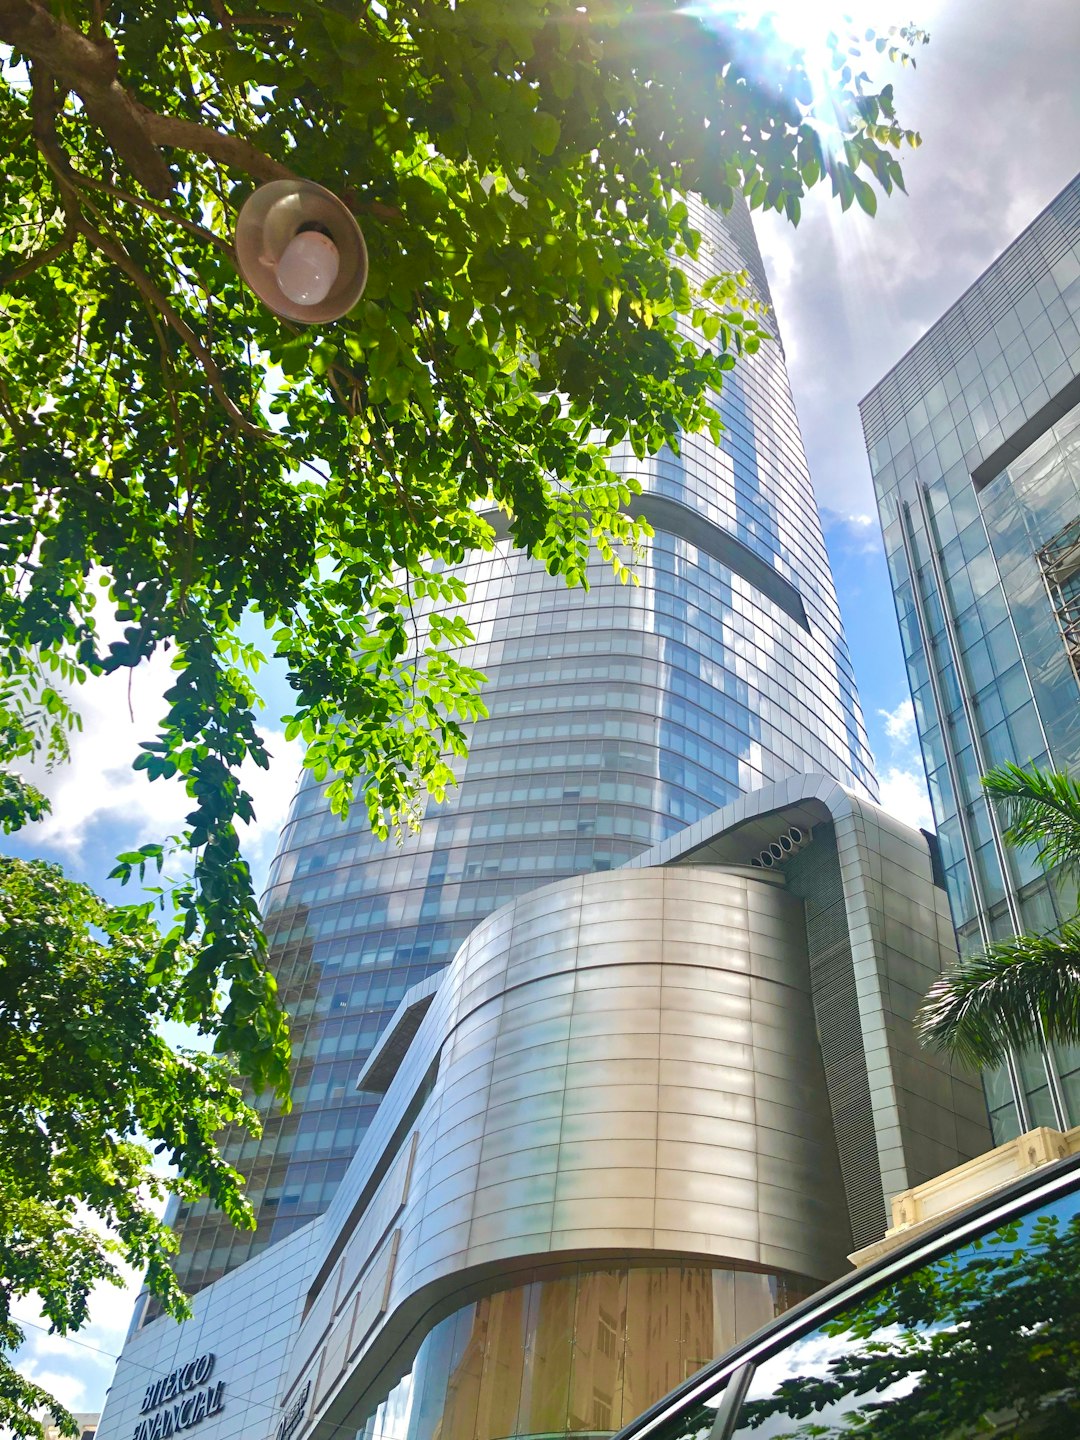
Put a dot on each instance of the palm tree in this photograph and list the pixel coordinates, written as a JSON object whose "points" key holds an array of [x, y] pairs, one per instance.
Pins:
{"points": [[1023, 992]]}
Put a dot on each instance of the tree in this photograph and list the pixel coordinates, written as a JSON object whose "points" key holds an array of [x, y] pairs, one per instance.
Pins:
{"points": [[1022, 992], [86, 1084], [171, 447]]}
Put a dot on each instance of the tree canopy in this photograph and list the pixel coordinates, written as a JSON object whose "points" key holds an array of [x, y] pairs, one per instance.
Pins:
{"points": [[170, 447], [86, 1084], [168, 441]]}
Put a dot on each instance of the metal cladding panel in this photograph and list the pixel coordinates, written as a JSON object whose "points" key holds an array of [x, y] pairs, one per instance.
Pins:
{"points": [[247, 1322], [878, 935], [649, 1105]]}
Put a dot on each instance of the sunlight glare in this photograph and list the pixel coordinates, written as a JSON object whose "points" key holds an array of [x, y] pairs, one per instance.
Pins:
{"points": [[802, 24], [805, 33]]}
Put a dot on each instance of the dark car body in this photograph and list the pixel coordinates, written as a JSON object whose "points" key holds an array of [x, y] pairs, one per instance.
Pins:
{"points": [[971, 1329]]}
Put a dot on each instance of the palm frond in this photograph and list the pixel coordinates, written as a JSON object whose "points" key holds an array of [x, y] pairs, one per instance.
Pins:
{"points": [[1040, 808], [1008, 998]]}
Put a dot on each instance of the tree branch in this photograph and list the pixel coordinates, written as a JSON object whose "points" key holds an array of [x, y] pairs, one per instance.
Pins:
{"points": [[8, 409], [114, 251], [251, 22], [218, 145], [90, 68], [68, 58], [166, 212], [43, 101], [45, 256], [67, 52]]}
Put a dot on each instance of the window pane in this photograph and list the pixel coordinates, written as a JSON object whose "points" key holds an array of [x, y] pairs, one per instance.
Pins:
{"points": [[981, 1342]]}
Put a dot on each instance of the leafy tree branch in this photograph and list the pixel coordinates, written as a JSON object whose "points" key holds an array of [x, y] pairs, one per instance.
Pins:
{"points": [[87, 1084], [1023, 992]]}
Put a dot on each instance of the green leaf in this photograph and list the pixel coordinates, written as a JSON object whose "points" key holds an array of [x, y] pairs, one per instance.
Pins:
{"points": [[866, 197], [545, 132]]}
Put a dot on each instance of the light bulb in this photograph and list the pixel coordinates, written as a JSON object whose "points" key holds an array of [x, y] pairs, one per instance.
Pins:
{"points": [[308, 267]]}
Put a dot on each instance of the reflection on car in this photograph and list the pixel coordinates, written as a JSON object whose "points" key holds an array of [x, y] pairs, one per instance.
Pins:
{"points": [[973, 1330]]}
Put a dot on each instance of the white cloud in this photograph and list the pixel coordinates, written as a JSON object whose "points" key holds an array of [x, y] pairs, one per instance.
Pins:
{"points": [[852, 533], [118, 711], [852, 294], [902, 779], [68, 1388], [900, 723], [77, 1369], [99, 786], [903, 794]]}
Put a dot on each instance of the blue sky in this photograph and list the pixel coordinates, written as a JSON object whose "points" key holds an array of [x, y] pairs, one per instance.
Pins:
{"points": [[999, 108]]}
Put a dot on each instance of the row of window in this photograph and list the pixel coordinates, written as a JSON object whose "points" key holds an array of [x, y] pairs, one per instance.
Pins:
{"points": [[1035, 315]]}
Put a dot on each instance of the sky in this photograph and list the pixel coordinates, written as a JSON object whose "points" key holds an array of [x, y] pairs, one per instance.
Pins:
{"points": [[996, 98]]}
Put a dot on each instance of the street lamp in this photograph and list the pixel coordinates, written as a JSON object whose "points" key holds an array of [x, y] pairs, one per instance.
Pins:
{"points": [[301, 251]]}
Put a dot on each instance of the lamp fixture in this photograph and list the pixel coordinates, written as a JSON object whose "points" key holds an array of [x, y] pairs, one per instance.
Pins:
{"points": [[301, 251]]}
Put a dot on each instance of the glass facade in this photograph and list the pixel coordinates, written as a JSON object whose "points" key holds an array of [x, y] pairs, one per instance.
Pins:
{"points": [[618, 715], [581, 1354], [974, 444]]}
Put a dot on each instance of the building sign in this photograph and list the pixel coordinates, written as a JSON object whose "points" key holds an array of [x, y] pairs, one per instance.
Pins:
{"points": [[290, 1421], [180, 1400]]}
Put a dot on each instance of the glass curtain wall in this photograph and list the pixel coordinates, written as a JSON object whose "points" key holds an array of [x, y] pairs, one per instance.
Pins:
{"points": [[977, 504], [618, 715]]}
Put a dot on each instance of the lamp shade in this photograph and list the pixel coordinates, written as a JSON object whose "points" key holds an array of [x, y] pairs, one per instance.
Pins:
{"points": [[271, 219]]}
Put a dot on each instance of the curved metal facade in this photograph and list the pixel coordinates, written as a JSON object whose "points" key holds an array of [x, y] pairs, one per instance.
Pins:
{"points": [[617, 716], [619, 1067]]}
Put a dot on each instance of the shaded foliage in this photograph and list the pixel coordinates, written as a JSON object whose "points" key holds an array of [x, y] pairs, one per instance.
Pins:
{"points": [[983, 1342], [87, 1083]]}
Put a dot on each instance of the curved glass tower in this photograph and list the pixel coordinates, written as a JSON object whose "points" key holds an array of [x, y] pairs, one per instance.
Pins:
{"points": [[618, 715]]}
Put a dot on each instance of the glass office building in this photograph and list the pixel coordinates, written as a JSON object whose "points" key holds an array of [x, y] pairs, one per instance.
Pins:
{"points": [[974, 444], [618, 715]]}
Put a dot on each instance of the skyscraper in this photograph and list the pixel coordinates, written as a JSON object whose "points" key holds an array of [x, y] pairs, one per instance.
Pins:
{"points": [[613, 1060], [974, 444], [618, 716]]}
